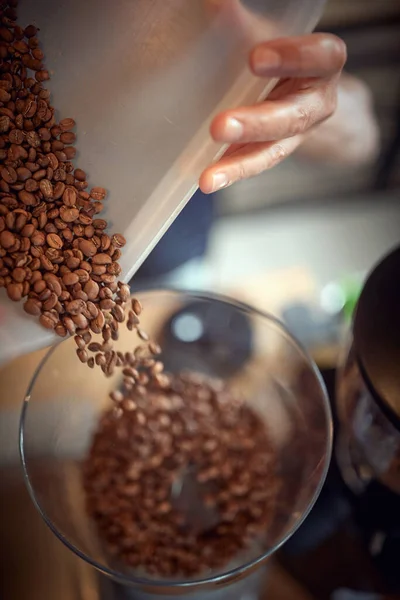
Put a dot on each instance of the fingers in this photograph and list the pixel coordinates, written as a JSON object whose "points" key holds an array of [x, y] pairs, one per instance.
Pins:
{"points": [[274, 120], [315, 55], [246, 162]]}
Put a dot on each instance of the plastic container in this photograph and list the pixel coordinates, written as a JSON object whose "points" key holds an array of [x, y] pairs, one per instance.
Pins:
{"points": [[143, 79], [256, 357]]}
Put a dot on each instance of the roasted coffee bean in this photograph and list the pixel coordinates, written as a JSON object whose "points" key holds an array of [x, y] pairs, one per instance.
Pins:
{"points": [[67, 124], [4, 123], [9, 174], [118, 240], [33, 307], [7, 239], [16, 136], [136, 307], [53, 283], [80, 320], [27, 198], [98, 193], [107, 304], [69, 197], [83, 275], [91, 288], [23, 173], [48, 320], [46, 187], [19, 274], [80, 175], [118, 313], [70, 278], [101, 259], [69, 215], [142, 334], [68, 137], [124, 292], [54, 241], [75, 306], [15, 291], [154, 348]]}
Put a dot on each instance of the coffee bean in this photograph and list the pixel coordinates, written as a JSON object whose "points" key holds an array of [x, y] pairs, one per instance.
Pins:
{"points": [[80, 175], [14, 291], [54, 241], [69, 197], [118, 240], [118, 313], [136, 306], [101, 259], [67, 124], [80, 321], [67, 137], [142, 334], [4, 123], [92, 308], [46, 187], [27, 198], [7, 239], [48, 320], [88, 248], [83, 275], [70, 279], [98, 193], [58, 190], [154, 348], [16, 136], [75, 306], [97, 324], [19, 274], [91, 288], [51, 301], [107, 304], [53, 283], [124, 292], [23, 173], [9, 174], [32, 306], [30, 31]]}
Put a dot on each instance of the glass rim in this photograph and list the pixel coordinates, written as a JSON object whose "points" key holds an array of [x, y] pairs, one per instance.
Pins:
{"points": [[233, 574]]}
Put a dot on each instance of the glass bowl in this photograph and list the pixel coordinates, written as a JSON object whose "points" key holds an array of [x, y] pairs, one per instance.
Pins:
{"points": [[252, 353]]}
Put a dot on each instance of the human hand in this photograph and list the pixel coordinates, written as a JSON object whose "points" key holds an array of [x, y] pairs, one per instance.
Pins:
{"points": [[261, 136]]}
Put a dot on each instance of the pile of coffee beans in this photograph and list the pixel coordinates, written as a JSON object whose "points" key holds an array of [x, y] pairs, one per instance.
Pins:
{"points": [[143, 449], [55, 254]]}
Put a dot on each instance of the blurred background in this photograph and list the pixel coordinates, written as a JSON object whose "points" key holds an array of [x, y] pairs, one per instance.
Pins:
{"points": [[296, 241]]}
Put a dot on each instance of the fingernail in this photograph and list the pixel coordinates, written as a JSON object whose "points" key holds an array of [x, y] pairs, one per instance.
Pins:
{"points": [[233, 130], [220, 180], [265, 60]]}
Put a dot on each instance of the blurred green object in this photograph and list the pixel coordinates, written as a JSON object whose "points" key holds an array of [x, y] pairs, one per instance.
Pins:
{"points": [[351, 286]]}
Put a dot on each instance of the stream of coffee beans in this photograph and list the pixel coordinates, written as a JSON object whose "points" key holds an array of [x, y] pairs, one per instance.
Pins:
{"points": [[58, 259]]}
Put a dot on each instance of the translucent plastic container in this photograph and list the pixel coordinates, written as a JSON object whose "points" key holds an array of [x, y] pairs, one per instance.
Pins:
{"points": [[143, 79]]}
